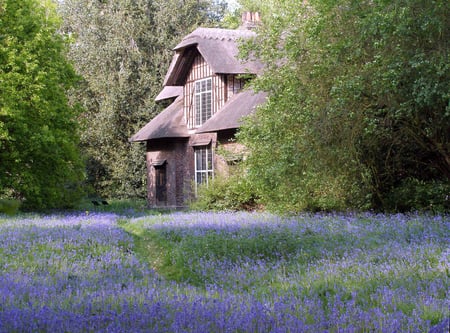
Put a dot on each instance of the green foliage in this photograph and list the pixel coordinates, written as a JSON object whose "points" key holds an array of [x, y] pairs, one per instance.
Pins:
{"points": [[9, 207], [231, 20], [122, 50], [407, 124], [40, 161], [418, 195], [359, 103], [226, 192]]}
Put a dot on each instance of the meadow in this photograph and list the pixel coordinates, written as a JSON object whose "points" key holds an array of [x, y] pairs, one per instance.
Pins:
{"points": [[224, 272]]}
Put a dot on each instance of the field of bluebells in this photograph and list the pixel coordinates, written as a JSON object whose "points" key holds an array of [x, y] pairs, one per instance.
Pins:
{"points": [[224, 272]]}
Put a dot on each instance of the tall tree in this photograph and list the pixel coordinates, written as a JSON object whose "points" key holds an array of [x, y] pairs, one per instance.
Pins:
{"points": [[358, 103], [122, 49], [39, 158]]}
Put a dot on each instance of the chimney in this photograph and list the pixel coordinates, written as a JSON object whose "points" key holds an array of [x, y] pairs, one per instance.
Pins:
{"points": [[250, 20]]}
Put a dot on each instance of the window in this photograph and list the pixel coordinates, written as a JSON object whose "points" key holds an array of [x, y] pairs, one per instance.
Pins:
{"points": [[203, 164], [203, 101]]}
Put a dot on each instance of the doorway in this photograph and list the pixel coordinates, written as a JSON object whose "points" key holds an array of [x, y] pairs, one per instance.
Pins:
{"points": [[161, 184]]}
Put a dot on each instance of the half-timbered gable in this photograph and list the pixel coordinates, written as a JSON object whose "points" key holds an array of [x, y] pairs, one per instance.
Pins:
{"points": [[203, 93], [205, 87]]}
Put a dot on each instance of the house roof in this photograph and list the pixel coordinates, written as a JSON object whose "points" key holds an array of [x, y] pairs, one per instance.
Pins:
{"points": [[168, 124], [220, 49], [169, 92], [230, 115]]}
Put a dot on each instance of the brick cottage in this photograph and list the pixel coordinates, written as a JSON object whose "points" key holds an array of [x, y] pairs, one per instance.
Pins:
{"points": [[204, 91]]}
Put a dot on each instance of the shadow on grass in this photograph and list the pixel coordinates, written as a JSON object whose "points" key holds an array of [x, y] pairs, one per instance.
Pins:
{"points": [[179, 255]]}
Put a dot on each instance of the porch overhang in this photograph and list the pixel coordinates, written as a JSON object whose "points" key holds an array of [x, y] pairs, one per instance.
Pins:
{"points": [[231, 114], [168, 124]]}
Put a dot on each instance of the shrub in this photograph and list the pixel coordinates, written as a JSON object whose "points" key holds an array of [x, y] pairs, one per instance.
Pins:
{"points": [[417, 195], [9, 206], [233, 192]]}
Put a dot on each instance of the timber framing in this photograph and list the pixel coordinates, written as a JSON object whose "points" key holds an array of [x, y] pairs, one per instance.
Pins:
{"points": [[206, 91]]}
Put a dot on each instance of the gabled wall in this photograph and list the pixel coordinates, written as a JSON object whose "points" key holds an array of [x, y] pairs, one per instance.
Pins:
{"points": [[224, 87], [201, 70], [176, 155]]}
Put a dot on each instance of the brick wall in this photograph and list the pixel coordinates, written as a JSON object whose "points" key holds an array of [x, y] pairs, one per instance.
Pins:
{"points": [[177, 157], [175, 153]]}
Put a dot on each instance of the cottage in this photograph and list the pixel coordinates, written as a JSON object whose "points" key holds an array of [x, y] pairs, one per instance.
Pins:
{"points": [[203, 89]]}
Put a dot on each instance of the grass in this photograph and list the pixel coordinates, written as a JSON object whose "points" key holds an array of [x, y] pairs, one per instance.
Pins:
{"points": [[126, 207], [180, 257], [138, 270], [311, 256]]}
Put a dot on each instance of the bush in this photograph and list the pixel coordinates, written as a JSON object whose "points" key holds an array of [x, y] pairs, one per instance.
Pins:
{"points": [[9, 206], [234, 192], [417, 195]]}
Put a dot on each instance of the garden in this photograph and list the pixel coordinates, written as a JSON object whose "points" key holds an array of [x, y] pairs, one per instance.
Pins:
{"points": [[100, 271]]}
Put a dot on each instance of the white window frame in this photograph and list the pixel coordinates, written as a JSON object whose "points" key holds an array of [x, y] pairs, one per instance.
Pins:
{"points": [[203, 100], [204, 165]]}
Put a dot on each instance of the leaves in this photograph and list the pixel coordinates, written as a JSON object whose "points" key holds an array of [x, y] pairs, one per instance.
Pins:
{"points": [[358, 102], [41, 164], [122, 50]]}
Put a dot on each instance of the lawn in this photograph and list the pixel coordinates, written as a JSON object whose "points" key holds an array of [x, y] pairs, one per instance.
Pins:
{"points": [[224, 272]]}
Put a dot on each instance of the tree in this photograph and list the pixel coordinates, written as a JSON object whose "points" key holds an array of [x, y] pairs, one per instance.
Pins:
{"points": [[122, 50], [407, 82], [40, 161], [359, 101]]}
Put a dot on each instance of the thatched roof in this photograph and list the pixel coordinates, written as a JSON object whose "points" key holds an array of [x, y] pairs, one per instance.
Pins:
{"points": [[169, 92], [168, 124], [219, 47], [230, 115]]}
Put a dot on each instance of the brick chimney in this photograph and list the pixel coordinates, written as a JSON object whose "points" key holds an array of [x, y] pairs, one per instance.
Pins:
{"points": [[250, 20]]}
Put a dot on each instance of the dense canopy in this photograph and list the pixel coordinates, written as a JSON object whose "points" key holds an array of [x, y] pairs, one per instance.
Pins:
{"points": [[39, 157], [358, 113]]}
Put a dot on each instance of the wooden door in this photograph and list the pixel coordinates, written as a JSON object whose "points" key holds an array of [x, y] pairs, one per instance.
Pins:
{"points": [[161, 184]]}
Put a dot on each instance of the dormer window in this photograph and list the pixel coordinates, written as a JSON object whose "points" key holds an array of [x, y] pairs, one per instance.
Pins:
{"points": [[202, 100]]}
